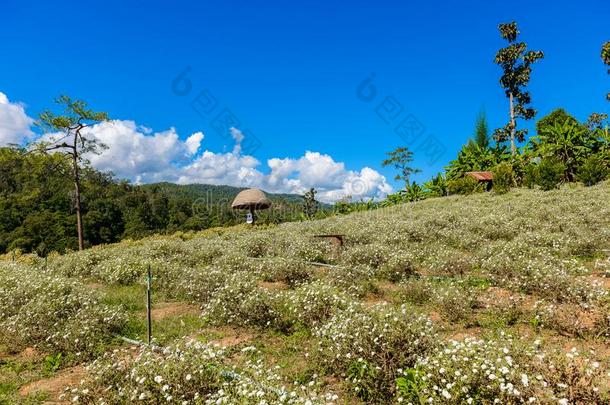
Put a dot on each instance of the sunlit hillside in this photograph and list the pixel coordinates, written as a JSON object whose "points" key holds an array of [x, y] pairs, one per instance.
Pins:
{"points": [[463, 299]]}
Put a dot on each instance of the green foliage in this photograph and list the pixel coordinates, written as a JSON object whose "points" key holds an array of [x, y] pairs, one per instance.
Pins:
{"points": [[592, 171], [54, 314], [549, 173], [503, 178], [410, 385], [465, 185], [481, 133], [413, 192], [474, 158], [530, 175], [76, 112], [437, 186], [310, 205], [606, 59], [516, 63], [36, 200], [400, 158], [52, 363], [563, 138]]}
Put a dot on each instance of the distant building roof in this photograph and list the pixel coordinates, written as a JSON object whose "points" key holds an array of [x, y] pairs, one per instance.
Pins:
{"points": [[481, 176]]}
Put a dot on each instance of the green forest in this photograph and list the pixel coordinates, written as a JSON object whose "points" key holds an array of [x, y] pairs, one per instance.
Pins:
{"points": [[37, 202]]}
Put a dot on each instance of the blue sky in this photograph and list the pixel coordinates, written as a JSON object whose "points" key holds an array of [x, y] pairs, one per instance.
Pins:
{"points": [[289, 72]]}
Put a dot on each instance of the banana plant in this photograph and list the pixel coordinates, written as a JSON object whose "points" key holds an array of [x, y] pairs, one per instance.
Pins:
{"points": [[568, 142]]}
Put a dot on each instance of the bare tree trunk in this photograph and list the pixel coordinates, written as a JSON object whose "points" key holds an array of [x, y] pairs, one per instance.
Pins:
{"points": [[513, 126], [77, 205]]}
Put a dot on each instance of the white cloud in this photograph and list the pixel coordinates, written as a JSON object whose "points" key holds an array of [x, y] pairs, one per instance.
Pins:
{"points": [[330, 178], [139, 154], [193, 142], [15, 125], [162, 156]]}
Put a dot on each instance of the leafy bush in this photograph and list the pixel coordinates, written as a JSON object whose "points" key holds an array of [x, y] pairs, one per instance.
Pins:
{"points": [[530, 175], [465, 185], [592, 171], [369, 345], [503, 178], [455, 302], [240, 301], [549, 173], [500, 370], [191, 373], [54, 314]]}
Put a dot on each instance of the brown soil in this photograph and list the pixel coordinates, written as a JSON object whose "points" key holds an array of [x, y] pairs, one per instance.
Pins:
{"points": [[462, 334], [168, 309], [27, 354], [373, 299], [231, 336], [387, 286], [604, 281], [55, 385], [273, 285], [435, 317]]}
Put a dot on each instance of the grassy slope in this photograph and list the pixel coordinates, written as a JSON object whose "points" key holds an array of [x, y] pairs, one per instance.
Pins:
{"points": [[475, 265]]}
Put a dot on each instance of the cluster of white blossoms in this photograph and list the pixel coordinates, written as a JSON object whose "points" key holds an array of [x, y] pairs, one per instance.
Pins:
{"points": [[520, 260], [188, 373], [53, 313], [500, 370]]}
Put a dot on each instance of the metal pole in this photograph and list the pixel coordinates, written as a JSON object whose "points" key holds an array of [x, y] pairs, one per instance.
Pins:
{"points": [[148, 305]]}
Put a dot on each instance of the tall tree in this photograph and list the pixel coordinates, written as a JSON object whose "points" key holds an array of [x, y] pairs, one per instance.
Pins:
{"points": [[68, 136], [516, 63], [481, 132], [400, 159], [310, 205], [606, 59]]}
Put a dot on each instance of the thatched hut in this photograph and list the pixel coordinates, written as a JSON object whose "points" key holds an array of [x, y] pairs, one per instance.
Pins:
{"points": [[251, 199]]}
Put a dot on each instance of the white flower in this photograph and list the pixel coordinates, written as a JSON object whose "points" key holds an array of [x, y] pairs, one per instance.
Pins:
{"points": [[158, 379], [525, 380], [446, 394]]}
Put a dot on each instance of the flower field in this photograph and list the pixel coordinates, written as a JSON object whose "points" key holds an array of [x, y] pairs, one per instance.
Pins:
{"points": [[465, 299]]}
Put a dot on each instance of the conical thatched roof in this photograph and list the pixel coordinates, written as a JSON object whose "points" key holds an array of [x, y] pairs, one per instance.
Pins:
{"points": [[251, 198]]}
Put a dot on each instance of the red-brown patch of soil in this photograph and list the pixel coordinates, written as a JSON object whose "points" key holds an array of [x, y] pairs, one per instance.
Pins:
{"points": [[273, 285], [167, 309], [55, 385], [461, 335], [372, 299], [231, 336], [27, 354], [435, 316]]}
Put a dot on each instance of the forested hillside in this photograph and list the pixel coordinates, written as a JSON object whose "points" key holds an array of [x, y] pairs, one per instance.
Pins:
{"points": [[37, 205]]}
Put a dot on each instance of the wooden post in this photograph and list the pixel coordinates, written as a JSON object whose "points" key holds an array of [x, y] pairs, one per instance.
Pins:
{"points": [[148, 305]]}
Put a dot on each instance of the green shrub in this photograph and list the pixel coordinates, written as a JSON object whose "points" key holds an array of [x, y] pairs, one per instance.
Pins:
{"points": [[465, 185], [504, 178], [502, 370], [592, 171], [188, 373], [368, 346], [550, 173], [530, 175], [54, 314]]}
